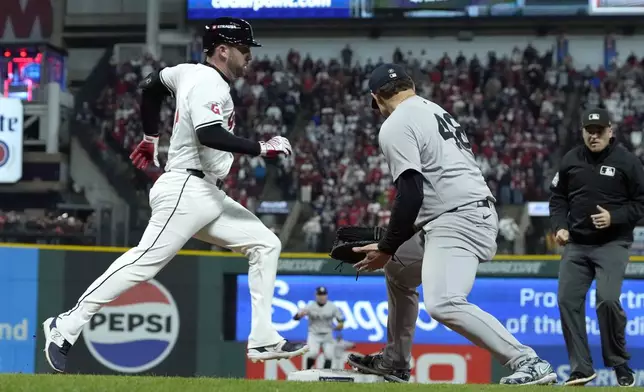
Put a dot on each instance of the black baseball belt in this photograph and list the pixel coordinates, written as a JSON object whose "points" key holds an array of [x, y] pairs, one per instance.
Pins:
{"points": [[198, 173]]}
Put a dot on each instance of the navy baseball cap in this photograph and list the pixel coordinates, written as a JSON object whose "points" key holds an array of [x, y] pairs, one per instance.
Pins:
{"points": [[599, 117], [321, 291], [384, 74]]}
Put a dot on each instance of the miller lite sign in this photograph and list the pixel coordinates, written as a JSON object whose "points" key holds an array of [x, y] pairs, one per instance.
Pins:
{"points": [[11, 117]]}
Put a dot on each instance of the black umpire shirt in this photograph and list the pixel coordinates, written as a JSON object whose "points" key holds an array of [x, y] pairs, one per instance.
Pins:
{"points": [[612, 179]]}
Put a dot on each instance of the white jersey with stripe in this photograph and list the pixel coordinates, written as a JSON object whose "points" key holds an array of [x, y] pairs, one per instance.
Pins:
{"points": [[202, 99]]}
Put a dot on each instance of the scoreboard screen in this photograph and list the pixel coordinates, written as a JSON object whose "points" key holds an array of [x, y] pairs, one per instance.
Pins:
{"points": [[23, 69]]}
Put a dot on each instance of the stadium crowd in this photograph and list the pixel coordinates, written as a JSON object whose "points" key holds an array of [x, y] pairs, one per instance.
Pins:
{"points": [[511, 106], [621, 90], [49, 227]]}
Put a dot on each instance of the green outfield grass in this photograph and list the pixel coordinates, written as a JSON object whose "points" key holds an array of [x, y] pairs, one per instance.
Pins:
{"points": [[78, 383]]}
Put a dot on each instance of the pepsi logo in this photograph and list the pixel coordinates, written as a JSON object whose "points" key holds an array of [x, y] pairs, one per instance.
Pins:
{"points": [[4, 153], [135, 332]]}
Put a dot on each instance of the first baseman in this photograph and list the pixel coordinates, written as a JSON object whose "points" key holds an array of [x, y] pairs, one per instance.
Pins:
{"points": [[187, 200], [442, 225], [321, 314]]}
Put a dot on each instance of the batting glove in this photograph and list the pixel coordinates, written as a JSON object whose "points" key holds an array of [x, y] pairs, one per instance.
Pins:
{"points": [[275, 146], [145, 152]]}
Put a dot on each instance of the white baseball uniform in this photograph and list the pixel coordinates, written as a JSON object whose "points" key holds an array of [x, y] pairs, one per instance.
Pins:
{"points": [[185, 206]]}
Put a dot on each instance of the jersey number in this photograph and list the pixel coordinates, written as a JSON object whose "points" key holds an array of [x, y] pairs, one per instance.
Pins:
{"points": [[450, 129]]}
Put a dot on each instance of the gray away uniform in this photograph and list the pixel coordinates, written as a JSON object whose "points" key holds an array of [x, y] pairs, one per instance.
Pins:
{"points": [[321, 328], [457, 225]]}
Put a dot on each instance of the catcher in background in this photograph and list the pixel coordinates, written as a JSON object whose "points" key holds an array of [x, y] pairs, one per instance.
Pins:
{"points": [[321, 314], [443, 224]]}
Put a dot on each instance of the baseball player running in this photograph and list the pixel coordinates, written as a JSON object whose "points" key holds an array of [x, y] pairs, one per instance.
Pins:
{"points": [[321, 314], [445, 220], [187, 200]]}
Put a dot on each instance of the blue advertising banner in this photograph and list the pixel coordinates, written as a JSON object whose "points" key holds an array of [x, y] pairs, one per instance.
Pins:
{"points": [[268, 9], [558, 357], [527, 307], [18, 309]]}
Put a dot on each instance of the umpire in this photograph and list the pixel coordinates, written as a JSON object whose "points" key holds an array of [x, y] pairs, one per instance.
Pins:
{"points": [[597, 199]]}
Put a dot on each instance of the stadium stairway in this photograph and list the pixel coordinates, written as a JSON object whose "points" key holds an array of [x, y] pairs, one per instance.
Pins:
{"points": [[99, 192], [294, 240], [271, 191], [105, 163]]}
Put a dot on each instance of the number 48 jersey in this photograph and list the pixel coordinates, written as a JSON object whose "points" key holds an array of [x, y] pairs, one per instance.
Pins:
{"points": [[422, 136]]}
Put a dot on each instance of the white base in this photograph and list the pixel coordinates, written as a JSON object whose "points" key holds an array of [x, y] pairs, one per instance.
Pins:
{"points": [[333, 375]]}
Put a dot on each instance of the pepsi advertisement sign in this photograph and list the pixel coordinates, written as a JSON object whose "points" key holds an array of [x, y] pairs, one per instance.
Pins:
{"points": [[18, 309], [527, 307], [150, 329], [269, 9], [143, 322]]}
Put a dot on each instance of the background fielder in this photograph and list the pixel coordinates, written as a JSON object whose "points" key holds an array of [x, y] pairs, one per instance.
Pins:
{"points": [[442, 225], [187, 199], [321, 314]]}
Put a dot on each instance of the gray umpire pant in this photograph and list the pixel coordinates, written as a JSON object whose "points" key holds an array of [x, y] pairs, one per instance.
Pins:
{"points": [[444, 258], [580, 265]]}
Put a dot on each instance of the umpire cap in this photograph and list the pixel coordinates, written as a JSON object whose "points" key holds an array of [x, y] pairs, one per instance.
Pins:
{"points": [[599, 117], [232, 31]]}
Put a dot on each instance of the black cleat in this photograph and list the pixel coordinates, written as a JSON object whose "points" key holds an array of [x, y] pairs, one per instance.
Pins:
{"points": [[625, 375], [374, 364], [56, 347], [579, 379]]}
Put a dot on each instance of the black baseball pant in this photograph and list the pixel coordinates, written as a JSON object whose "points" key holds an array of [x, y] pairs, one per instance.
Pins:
{"points": [[580, 265]]}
